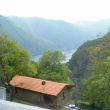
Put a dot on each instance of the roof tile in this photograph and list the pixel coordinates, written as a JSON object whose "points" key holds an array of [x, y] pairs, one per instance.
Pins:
{"points": [[33, 84]]}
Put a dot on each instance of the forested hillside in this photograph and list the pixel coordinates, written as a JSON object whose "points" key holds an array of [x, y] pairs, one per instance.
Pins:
{"points": [[81, 60], [90, 67]]}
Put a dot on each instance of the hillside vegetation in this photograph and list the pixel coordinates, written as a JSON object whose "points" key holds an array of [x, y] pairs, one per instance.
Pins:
{"points": [[82, 59], [90, 67]]}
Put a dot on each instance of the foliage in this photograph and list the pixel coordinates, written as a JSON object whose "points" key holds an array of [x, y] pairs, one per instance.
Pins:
{"points": [[14, 60], [50, 67], [97, 86], [91, 65]]}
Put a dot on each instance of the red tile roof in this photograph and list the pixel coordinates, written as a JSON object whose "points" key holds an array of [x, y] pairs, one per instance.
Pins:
{"points": [[33, 84]]}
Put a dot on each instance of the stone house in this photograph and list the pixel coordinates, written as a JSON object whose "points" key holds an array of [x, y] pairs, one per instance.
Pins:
{"points": [[40, 92]]}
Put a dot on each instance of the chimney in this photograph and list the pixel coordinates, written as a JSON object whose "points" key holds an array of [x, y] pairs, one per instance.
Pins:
{"points": [[43, 84]]}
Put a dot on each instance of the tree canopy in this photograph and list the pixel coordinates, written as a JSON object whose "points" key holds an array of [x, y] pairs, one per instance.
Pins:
{"points": [[14, 60], [50, 67], [97, 86]]}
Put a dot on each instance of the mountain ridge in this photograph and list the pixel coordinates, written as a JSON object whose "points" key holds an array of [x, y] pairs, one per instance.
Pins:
{"points": [[38, 34]]}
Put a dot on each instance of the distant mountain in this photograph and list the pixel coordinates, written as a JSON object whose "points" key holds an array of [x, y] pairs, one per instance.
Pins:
{"points": [[95, 28], [59, 34], [38, 35], [34, 44]]}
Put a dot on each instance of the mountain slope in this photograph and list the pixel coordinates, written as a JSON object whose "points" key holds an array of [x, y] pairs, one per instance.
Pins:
{"points": [[56, 31], [34, 44], [38, 35], [84, 59], [79, 63]]}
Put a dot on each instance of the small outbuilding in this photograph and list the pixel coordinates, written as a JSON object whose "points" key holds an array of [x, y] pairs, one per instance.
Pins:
{"points": [[3, 93], [40, 92]]}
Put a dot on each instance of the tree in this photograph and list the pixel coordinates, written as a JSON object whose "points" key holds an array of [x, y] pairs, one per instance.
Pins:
{"points": [[97, 87], [50, 67], [14, 60]]}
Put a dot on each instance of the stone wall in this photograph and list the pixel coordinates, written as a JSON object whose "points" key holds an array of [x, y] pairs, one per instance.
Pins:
{"points": [[42, 99]]}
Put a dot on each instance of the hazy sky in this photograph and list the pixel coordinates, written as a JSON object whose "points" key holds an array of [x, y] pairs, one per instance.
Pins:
{"points": [[69, 10]]}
